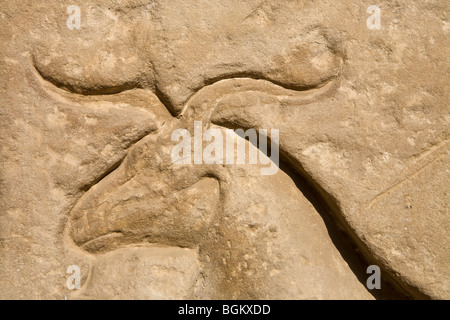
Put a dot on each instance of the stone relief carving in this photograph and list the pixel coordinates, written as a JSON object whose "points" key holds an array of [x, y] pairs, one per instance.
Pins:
{"points": [[101, 191]]}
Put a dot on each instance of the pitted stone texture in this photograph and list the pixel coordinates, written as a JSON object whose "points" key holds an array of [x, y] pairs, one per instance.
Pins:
{"points": [[363, 122]]}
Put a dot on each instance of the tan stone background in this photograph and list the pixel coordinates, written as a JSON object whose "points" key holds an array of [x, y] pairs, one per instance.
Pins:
{"points": [[363, 118]]}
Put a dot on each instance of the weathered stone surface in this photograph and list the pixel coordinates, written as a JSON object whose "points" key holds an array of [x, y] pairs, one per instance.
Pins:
{"points": [[87, 179]]}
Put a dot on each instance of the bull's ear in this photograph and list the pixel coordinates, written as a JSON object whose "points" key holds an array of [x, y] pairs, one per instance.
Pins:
{"points": [[307, 61]]}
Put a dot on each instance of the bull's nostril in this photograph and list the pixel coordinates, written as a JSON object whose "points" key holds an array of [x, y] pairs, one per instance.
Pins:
{"points": [[153, 206]]}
